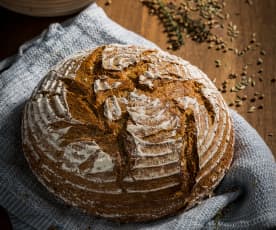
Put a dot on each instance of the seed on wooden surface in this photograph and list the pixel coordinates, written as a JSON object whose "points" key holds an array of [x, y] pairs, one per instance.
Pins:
{"points": [[261, 97], [170, 47], [245, 67], [270, 134], [231, 104], [263, 52], [259, 61], [244, 97], [249, 2], [233, 89], [253, 99], [244, 73], [108, 2], [218, 63], [273, 79], [261, 70], [232, 76], [260, 79], [252, 109], [243, 77], [253, 83], [244, 82], [249, 47], [241, 53], [260, 107], [240, 86], [257, 93], [239, 104]]}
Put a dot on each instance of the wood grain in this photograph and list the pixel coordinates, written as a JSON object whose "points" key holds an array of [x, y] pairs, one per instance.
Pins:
{"points": [[259, 18]]}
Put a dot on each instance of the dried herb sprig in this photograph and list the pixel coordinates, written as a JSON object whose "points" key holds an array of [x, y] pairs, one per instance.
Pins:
{"points": [[176, 20], [165, 15]]}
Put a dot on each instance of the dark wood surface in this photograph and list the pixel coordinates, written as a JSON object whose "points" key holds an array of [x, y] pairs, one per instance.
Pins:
{"points": [[259, 18]]}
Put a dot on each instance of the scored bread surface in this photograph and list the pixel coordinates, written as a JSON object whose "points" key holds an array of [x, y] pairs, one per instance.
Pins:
{"points": [[128, 133]]}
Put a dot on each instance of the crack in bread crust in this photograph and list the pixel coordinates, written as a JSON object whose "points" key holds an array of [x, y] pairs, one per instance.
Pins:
{"points": [[128, 133]]}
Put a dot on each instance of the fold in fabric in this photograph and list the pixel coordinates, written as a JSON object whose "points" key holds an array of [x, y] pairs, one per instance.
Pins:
{"points": [[245, 199]]}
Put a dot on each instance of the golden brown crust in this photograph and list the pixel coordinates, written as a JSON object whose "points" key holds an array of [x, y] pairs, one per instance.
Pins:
{"points": [[128, 133]]}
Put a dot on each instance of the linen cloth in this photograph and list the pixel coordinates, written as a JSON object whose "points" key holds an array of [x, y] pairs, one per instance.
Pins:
{"points": [[246, 198]]}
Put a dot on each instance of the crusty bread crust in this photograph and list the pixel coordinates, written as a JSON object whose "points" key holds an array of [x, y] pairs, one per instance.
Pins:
{"points": [[128, 133]]}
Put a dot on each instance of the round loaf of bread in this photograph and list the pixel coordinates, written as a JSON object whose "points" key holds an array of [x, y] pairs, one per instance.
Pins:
{"points": [[128, 133]]}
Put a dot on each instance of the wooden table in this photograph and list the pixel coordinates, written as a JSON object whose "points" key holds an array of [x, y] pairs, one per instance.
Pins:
{"points": [[259, 17]]}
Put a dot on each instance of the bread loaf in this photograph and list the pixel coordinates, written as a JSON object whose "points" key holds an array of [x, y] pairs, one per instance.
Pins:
{"points": [[128, 133]]}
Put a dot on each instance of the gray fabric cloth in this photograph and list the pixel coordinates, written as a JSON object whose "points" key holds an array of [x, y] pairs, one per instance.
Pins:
{"points": [[246, 198]]}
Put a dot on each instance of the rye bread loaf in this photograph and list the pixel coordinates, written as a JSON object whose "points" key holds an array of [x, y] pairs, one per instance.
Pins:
{"points": [[128, 133]]}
